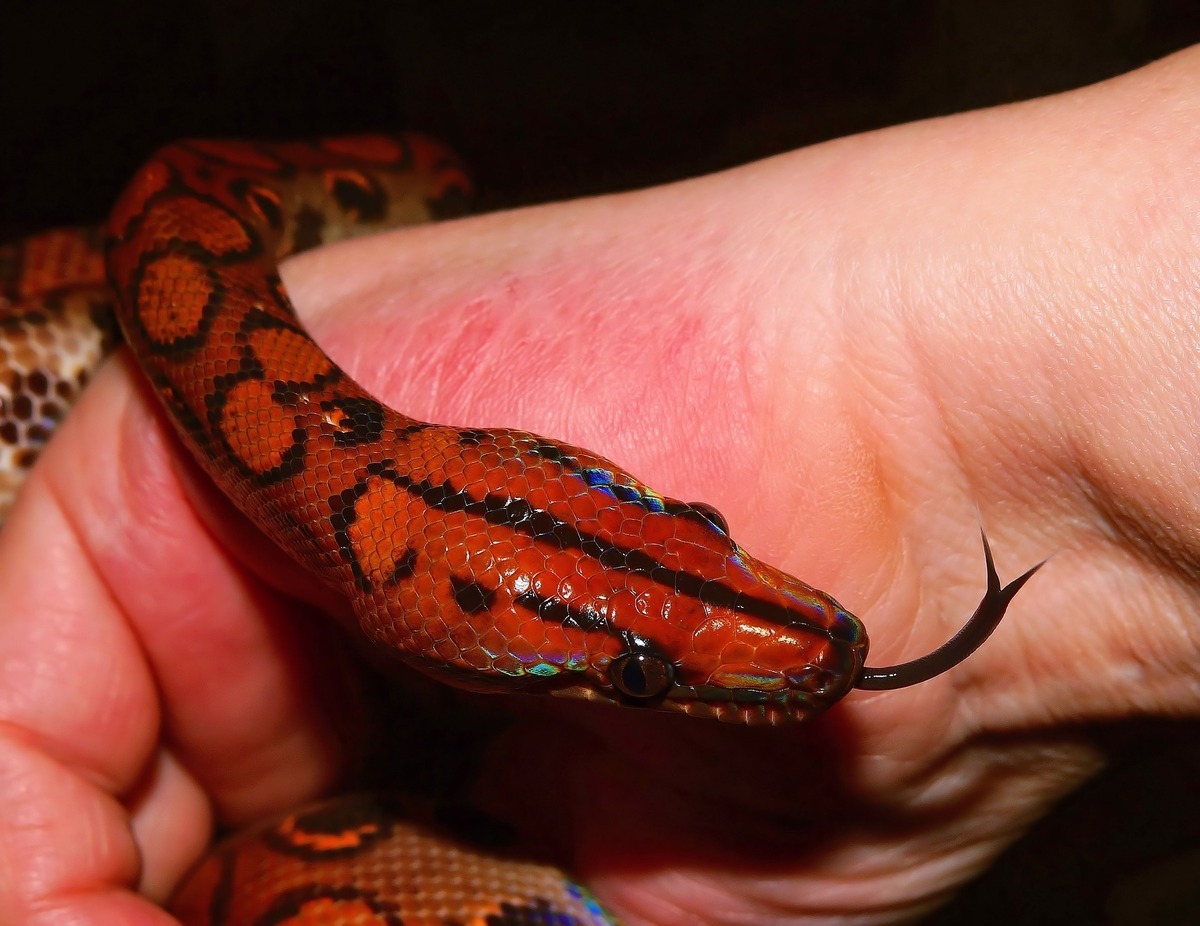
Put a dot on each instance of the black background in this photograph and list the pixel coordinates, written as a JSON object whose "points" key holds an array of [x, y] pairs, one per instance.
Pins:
{"points": [[544, 100], [550, 100]]}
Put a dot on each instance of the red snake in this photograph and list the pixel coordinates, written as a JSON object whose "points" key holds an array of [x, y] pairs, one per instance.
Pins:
{"points": [[491, 559]]}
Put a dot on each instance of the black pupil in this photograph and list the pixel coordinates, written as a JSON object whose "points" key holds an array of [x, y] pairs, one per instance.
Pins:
{"points": [[633, 675]]}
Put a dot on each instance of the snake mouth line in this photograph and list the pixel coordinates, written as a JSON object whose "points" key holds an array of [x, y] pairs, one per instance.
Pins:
{"points": [[771, 712], [711, 694], [746, 706]]}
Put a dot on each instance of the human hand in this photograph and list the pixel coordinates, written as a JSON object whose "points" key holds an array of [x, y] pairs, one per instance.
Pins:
{"points": [[855, 351]]}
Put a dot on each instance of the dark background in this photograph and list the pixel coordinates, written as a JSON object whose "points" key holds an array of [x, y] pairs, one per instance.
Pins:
{"points": [[544, 100], [549, 100]]}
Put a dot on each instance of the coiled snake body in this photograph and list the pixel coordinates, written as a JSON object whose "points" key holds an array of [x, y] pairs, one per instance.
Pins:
{"points": [[492, 559]]}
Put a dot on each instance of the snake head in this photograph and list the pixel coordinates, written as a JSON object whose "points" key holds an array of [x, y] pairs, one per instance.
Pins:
{"points": [[701, 627], [521, 563]]}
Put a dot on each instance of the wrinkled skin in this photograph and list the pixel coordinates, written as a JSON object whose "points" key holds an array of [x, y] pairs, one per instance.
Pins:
{"points": [[856, 351]]}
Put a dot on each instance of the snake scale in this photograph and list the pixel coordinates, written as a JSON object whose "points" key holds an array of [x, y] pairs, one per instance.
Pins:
{"points": [[491, 559]]}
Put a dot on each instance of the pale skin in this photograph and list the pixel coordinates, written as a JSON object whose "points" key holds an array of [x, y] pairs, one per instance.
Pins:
{"points": [[856, 351]]}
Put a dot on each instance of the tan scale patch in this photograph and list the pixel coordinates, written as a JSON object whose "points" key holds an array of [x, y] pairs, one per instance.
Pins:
{"points": [[331, 179], [48, 353]]}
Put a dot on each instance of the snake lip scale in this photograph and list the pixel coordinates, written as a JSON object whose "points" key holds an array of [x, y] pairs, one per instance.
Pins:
{"points": [[493, 559]]}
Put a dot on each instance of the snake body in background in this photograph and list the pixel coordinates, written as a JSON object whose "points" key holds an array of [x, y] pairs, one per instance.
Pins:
{"points": [[492, 559]]}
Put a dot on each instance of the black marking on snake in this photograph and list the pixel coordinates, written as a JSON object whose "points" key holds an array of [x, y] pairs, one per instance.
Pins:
{"points": [[350, 826], [454, 202], [304, 533], [702, 514], [358, 194], [170, 190], [27, 456], [308, 229], [518, 515], [538, 911], [361, 422], [473, 437], [259, 319], [177, 188], [385, 468], [404, 568], [22, 407], [556, 611], [25, 317], [343, 515], [555, 454], [38, 383], [190, 423], [470, 596], [287, 393], [223, 893], [279, 294], [455, 199], [260, 198], [408, 430], [190, 247], [291, 460]]}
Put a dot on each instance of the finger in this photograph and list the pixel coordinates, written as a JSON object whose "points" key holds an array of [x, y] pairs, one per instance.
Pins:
{"points": [[77, 719], [66, 851], [171, 820], [243, 705]]}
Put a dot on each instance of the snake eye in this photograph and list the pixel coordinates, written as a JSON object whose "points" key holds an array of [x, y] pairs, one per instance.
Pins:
{"points": [[641, 675], [711, 515]]}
